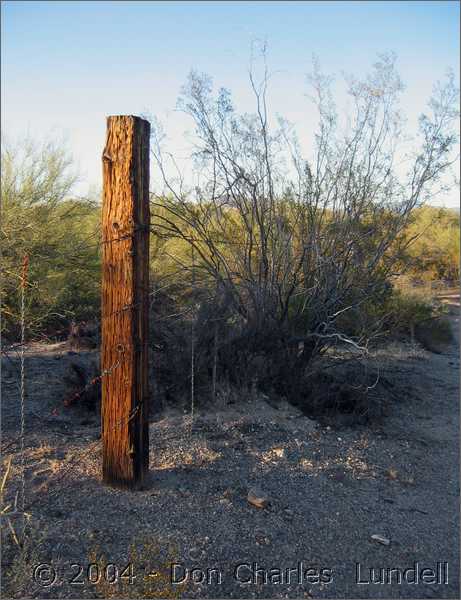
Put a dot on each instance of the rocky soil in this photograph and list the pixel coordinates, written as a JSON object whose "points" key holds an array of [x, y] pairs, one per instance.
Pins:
{"points": [[329, 505]]}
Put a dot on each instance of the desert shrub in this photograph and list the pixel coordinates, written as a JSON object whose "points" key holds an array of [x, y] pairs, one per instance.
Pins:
{"points": [[417, 314], [170, 340], [303, 249], [271, 260], [405, 310], [58, 234], [435, 252], [434, 334]]}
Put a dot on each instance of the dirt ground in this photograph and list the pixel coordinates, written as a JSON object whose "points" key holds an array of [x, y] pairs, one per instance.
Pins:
{"points": [[330, 489]]}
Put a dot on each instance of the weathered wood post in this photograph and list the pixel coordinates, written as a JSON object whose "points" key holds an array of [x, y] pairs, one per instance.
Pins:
{"points": [[125, 316]]}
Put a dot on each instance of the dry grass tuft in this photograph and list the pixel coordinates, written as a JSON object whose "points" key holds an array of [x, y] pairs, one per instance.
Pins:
{"points": [[146, 574]]}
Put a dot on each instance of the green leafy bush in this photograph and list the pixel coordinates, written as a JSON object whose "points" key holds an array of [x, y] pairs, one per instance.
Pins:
{"points": [[58, 234]]}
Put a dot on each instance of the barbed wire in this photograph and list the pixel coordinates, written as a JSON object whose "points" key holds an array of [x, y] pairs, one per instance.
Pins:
{"points": [[25, 268], [79, 455], [21, 348]]}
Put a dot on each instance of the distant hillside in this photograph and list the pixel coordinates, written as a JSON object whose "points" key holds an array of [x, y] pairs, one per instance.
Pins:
{"points": [[455, 209]]}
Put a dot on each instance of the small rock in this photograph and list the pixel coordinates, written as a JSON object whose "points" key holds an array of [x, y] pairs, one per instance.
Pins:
{"points": [[381, 539], [392, 473], [279, 452], [261, 538], [289, 514], [257, 498]]}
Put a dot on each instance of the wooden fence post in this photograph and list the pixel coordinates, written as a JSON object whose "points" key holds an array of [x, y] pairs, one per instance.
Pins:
{"points": [[125, 302]]}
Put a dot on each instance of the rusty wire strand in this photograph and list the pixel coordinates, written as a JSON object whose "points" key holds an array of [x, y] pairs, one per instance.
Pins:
{"points": [[21, 348], [25, 268]]}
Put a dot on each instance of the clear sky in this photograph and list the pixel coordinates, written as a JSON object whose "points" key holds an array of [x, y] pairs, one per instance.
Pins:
{"points": [[67, 65]]}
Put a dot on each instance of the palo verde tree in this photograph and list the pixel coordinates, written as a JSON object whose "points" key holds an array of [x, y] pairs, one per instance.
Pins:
{"points": [[41, 218]]}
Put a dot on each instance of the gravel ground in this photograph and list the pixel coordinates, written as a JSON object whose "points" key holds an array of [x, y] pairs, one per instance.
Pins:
{"points": [[329, 489]]}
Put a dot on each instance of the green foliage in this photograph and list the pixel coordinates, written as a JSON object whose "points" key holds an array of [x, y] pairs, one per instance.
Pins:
{"points": [[58, 234], [434, 252], [61, 237], [406, 310]]}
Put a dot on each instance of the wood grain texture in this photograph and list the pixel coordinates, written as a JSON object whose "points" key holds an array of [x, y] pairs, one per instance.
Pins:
{"points": [[125, 316]]}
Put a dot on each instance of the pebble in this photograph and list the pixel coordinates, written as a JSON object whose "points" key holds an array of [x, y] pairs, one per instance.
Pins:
{"points": [[381, 539], [257, 498], [261, 538]]}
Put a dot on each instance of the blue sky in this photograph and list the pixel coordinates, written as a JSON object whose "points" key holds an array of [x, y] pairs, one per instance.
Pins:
{"points": [[67, 65]]}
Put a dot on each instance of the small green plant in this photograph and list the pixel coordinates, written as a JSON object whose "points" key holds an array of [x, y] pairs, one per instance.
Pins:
{"points": [[407, 310], [417, 315], [147, 574]]}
